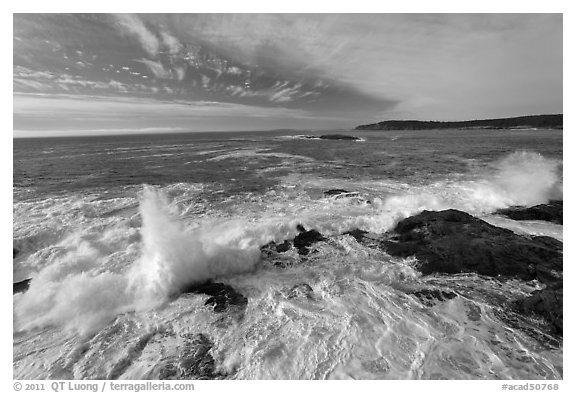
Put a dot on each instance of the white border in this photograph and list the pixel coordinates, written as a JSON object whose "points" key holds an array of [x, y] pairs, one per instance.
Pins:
{"points": [[296, 6]]}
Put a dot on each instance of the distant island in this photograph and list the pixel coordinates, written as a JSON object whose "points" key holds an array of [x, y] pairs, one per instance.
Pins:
{"points": [[538, 121]]}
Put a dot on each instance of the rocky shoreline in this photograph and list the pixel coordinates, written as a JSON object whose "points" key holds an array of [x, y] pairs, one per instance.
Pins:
{"points": [[444, 242], [453, 242], [552, 212]]}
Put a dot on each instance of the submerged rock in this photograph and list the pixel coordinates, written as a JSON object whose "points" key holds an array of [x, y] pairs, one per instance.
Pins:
{"points": [[195, 360], [299, 291], [452, 241], [21, 286], [428, 296], [222, 296], [547, 303], [552, 212]]}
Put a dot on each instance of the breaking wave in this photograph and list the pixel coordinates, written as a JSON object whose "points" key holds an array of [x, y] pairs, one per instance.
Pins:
{"points": [[73, 291], [84, 288]]}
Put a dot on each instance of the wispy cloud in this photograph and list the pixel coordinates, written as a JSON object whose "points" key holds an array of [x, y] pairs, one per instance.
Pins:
{"points": [[174, 46], [348, 67], [132, 25], [157, 69]]}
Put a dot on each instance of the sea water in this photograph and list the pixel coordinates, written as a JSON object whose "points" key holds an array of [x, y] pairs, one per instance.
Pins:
{"points": [[112, 229]]}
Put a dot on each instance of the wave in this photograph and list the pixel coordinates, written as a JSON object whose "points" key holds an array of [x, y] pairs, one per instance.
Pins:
{"points": [[74, 292], [88, 283], [175, 257], [520, 179]]}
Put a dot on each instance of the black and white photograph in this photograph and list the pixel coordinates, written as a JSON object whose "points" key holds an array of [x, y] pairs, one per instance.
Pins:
{"points": [[287, 196]]}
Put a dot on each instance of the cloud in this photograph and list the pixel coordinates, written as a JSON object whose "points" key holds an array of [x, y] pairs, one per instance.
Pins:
{"points": [[157, 69], [365, 67], [133, 25], [282, 93], [174, 46]]}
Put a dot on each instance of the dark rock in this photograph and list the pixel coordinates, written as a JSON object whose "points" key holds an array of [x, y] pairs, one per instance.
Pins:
{"points": [[428, 296], [269, 248], [195, 360], [272, 247], [15, 252], [552, 212], [547, 303], [300, 290], [339, 194], [357, 234], [222, 296], [168, 371], [284, 246], [306, 238], [340, 137], [21, 286], [336, 191], [452, 241]]}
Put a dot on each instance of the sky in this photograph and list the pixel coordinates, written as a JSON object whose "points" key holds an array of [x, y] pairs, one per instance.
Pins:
{"points": [[82, 74]]}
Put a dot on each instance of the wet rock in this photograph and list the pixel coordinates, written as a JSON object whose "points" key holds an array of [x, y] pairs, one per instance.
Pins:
{"points": [[357, 234], [268, 249], [547, 303], [168, 371], [552, 212], [272, 247], [195, 360], [429, 296], [221, 296], [300, 291], [284, 246], [306, 238], [473, 312], [338, 194], [514, 318], [376, 366], [353, 196], [21, 286], [452, 241], [335, 191]]}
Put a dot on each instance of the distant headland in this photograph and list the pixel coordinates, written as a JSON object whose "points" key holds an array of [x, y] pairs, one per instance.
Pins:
{"points": [[523, 122]]}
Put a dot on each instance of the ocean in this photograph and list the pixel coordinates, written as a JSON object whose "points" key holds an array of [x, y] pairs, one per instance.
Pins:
{"points": [[112, 230]]}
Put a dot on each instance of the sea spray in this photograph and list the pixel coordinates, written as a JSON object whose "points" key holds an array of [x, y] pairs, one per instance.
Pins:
{"points": [[174, 257], [527, 178], [521, 178], [71, 292], [74, 292]]}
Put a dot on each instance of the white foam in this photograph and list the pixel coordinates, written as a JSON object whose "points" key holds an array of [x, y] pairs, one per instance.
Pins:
{"points": [[98, 273], [84, 290]]}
